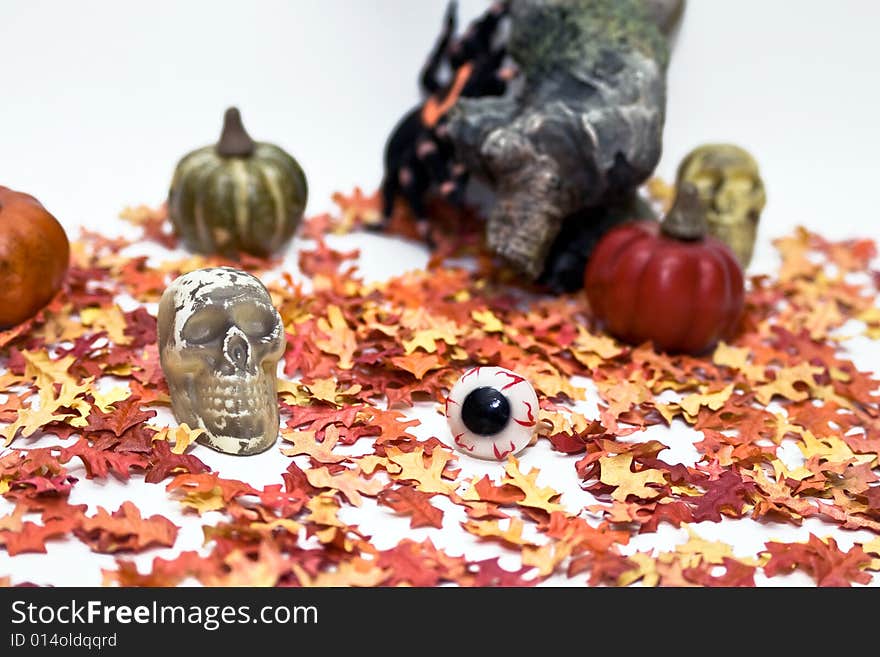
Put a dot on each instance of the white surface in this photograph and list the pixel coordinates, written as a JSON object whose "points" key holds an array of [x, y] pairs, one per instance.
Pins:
{"points": [[100, 99]]}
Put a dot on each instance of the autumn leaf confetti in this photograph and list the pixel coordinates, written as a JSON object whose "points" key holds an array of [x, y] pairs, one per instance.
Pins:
{"points": [[781, 422]]}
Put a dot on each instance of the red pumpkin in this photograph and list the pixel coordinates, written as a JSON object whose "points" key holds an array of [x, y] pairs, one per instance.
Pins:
{"points": [[670, 282], [34, 255]]}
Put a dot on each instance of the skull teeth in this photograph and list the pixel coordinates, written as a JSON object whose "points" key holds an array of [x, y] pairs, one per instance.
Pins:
{"points": [[228, 401]]}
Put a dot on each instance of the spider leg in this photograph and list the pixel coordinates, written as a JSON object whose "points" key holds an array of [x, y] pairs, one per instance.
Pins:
{"points": [[429, 154], [414, 183], [454, 188], [390, 190], [477, 38], [398, 154], [488, 77], [428, 78]]}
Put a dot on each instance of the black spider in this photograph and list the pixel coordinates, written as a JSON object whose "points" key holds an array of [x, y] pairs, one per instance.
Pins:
{"points": [[419, 157]]}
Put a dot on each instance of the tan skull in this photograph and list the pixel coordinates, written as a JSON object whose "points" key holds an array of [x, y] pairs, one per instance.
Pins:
{"points": [[220, 340], [731, 188]]}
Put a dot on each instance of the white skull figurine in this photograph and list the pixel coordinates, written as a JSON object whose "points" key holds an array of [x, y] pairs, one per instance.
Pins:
{"points": [[220, 340]]}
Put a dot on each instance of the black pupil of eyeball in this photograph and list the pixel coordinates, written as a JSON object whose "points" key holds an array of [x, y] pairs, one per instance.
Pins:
{"points": [[485, 411]]}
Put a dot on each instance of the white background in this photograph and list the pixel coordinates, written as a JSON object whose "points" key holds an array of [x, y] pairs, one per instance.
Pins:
{"points": [[99, 98]]}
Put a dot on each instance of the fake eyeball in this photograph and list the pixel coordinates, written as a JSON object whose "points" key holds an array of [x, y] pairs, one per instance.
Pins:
{"points": [[492, 412]]}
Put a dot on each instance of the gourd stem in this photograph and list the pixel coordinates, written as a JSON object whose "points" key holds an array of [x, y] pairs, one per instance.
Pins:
{"points": [[234, 140], [686, 219]]}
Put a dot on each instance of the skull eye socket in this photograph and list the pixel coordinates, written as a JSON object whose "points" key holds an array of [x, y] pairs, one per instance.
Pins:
{"points": [[204, 326], [492, 412], [254, 321]]}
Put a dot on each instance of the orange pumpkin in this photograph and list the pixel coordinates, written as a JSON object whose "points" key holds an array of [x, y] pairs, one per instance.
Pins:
{"points": [[34, 255]]}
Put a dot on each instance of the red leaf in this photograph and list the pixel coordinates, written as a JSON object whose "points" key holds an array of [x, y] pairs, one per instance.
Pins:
{"points": [[125, 530], [488, 573], [827, 564], [163, 463], [164, 572], [206, 482], [504, 495], [604, 567], [286, 502], [126, 415], [323, 260], [728, 494], [140, 326], [675, 513], [100, 462], [32, 537], [567, 443], [409, 501], [410, 563], [736, 573]]}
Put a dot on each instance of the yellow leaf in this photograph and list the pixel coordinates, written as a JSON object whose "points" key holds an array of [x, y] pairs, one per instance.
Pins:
{"points": [[872, 546], [202, 501], [616, 471], [347, 482], [182, 436], [535, 497], [29, 420], [47, 372], [370, 462], [426, 330], [546, 557], [12, 522], [699, 549], [325, 390], [324, 508], [425, 339], [294, 393], [829, 448], [140, 215], [70, 396], [488, 321], [8, 380], [712, 400], [668, 411], [645, 570], [512, 534], [796, 264], [105, 400], [303, 442], [418, 364], [778, 493], [291, 526], [108, 319], [242, 570], [354, 572], [871, 317], [547, 379], [823, 317], [661, 192], [622, 395], [552, 422], [340, 341], [427, 472], [738, 359], [122, 369], [602, 346], [784, 384], [782, 472]]}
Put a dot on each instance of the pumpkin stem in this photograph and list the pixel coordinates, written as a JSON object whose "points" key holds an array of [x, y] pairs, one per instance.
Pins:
{"points": [[234, 140], [686, 219]]}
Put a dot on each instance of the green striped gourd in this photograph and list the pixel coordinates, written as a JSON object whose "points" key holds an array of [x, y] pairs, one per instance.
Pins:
{"points": [[238, 196]]}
